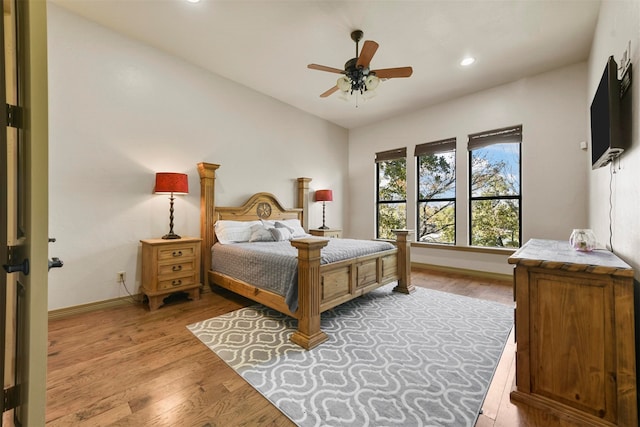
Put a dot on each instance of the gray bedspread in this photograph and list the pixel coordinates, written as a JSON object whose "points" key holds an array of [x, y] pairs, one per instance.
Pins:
{"points": [[274, 265]]}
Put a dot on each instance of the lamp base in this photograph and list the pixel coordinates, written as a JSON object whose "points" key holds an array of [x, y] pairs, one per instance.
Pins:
{"points": [[171, 236], [323, 227]]}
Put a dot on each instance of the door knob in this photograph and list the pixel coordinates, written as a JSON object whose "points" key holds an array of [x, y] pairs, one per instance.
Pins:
{"points": [[14, 268]]}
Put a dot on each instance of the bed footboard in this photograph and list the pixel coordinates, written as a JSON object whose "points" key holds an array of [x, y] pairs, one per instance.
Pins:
{"points": [[322, 287]]}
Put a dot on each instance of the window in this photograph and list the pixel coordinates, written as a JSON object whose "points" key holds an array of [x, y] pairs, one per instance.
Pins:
{"points": [[494, 183], [392, 192], [436, 215]]}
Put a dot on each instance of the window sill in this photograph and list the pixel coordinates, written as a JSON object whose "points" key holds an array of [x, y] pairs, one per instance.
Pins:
{"points": [[476, 249]]}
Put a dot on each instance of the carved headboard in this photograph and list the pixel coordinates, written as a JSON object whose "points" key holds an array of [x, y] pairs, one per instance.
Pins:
{"points": [[259, 206]]}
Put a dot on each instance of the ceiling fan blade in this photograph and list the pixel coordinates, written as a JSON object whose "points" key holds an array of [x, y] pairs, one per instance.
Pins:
{"points": [[368, 50], [390, 73], [329, 92], [325, 68]]}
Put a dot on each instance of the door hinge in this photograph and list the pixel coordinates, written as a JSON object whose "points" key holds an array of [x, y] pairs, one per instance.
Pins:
{"points": [[14, 116], [11, 398]]}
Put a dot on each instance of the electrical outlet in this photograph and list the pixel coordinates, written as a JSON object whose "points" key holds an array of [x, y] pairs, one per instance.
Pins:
{"points": [[122, 276]]}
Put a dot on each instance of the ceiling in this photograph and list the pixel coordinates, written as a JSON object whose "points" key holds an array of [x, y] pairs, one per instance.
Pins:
{"points": [[267, 44]]}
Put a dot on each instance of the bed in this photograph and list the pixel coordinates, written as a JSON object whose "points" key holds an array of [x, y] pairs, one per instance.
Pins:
{"points": [[320, 286]]}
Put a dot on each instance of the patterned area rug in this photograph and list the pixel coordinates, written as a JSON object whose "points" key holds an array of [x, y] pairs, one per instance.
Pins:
{"points": [[424, 359]]}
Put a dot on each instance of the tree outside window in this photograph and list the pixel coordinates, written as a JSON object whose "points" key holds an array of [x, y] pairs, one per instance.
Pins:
{"points": [[495, 199], [392, 192], [436, 205]]}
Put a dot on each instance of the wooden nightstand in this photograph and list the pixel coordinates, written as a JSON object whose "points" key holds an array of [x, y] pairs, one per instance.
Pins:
{"points": [[170, 266], [326, 232]]}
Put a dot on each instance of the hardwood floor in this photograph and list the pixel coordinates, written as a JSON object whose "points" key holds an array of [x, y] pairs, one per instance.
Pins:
{"points": [[127, 366]]}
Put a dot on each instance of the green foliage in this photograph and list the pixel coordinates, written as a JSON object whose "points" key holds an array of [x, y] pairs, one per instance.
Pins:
{"points": [[436, 180], [495, 222], [437, 176], [491, 178], [391, 216], [436, 222], [392, 177]]}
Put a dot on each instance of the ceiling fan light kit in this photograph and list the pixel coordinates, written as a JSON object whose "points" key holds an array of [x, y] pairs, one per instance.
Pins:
{"points": [[358, 78]]}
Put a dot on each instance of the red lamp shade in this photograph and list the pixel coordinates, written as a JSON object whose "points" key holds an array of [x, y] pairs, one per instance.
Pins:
{"points": [[324, 196], [169, 182]]}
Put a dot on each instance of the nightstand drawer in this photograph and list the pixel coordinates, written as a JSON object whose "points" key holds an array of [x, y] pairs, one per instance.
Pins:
{"points": [[176, 252], [176, 282], [187, 266]]}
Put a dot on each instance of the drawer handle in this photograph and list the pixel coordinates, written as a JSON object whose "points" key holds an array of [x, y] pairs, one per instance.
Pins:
{"points": [[176, 282], [176, 268], [177, 253]]}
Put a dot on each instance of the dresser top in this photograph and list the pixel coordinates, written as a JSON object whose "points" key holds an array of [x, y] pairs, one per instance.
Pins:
{"points": [[558, 254]]}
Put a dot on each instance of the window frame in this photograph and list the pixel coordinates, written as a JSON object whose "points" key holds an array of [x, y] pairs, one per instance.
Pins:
{"points": [[381, 157], [441, 146], [510, 134]]}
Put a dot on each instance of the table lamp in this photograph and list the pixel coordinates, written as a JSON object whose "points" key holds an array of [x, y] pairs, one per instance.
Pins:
{"points": [[171, 183]]}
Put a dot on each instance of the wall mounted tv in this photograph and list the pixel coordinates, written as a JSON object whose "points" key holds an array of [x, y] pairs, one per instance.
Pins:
{"points": [[610, 117]]}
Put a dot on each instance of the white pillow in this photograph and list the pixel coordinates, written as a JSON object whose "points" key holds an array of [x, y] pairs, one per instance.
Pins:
{"points": [[260, 234], [233, 231], [294, 226], [268, 224], [280, 233]]}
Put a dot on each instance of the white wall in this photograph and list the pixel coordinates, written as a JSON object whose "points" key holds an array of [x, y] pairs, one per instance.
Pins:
{"points": [[552, 110], [121, 111], [618, 24]]}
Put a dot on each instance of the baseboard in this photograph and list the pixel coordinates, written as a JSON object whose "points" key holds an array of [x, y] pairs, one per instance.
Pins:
{"points": [[464, 271], [94, 306], [101, 305], [127, 300]]}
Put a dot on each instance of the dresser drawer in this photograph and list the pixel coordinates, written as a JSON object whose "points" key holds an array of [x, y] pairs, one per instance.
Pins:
{"points": [[176, 281], [177, 252], [186, 266]]}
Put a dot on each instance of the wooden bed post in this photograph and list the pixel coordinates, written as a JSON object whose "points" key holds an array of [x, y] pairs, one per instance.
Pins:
{"points": [[404, 262], [207, 172], [303, 200], [309, 334]]}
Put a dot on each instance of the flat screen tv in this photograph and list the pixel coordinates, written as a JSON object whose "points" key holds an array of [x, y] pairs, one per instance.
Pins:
{"points": [[606, 135]]}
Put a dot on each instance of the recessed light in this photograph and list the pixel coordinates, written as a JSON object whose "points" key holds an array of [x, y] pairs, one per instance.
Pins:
{"points": [[467, 61], [193, 1]]}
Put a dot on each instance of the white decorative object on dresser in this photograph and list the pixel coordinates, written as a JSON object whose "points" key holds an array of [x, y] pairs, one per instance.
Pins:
{"points": [[170, 266]]}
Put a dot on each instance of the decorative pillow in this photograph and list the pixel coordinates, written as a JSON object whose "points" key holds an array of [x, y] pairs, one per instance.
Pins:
{"points": [[294, 226], [280, 233], [260, 234], [268, 224], [233, 231]]}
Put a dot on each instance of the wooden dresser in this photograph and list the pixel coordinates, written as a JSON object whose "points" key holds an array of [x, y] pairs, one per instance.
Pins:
{"points": [[170, 266], [575, 334]]}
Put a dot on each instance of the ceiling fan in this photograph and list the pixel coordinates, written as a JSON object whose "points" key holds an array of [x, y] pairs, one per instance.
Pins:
{"points": [[358, 77]]}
